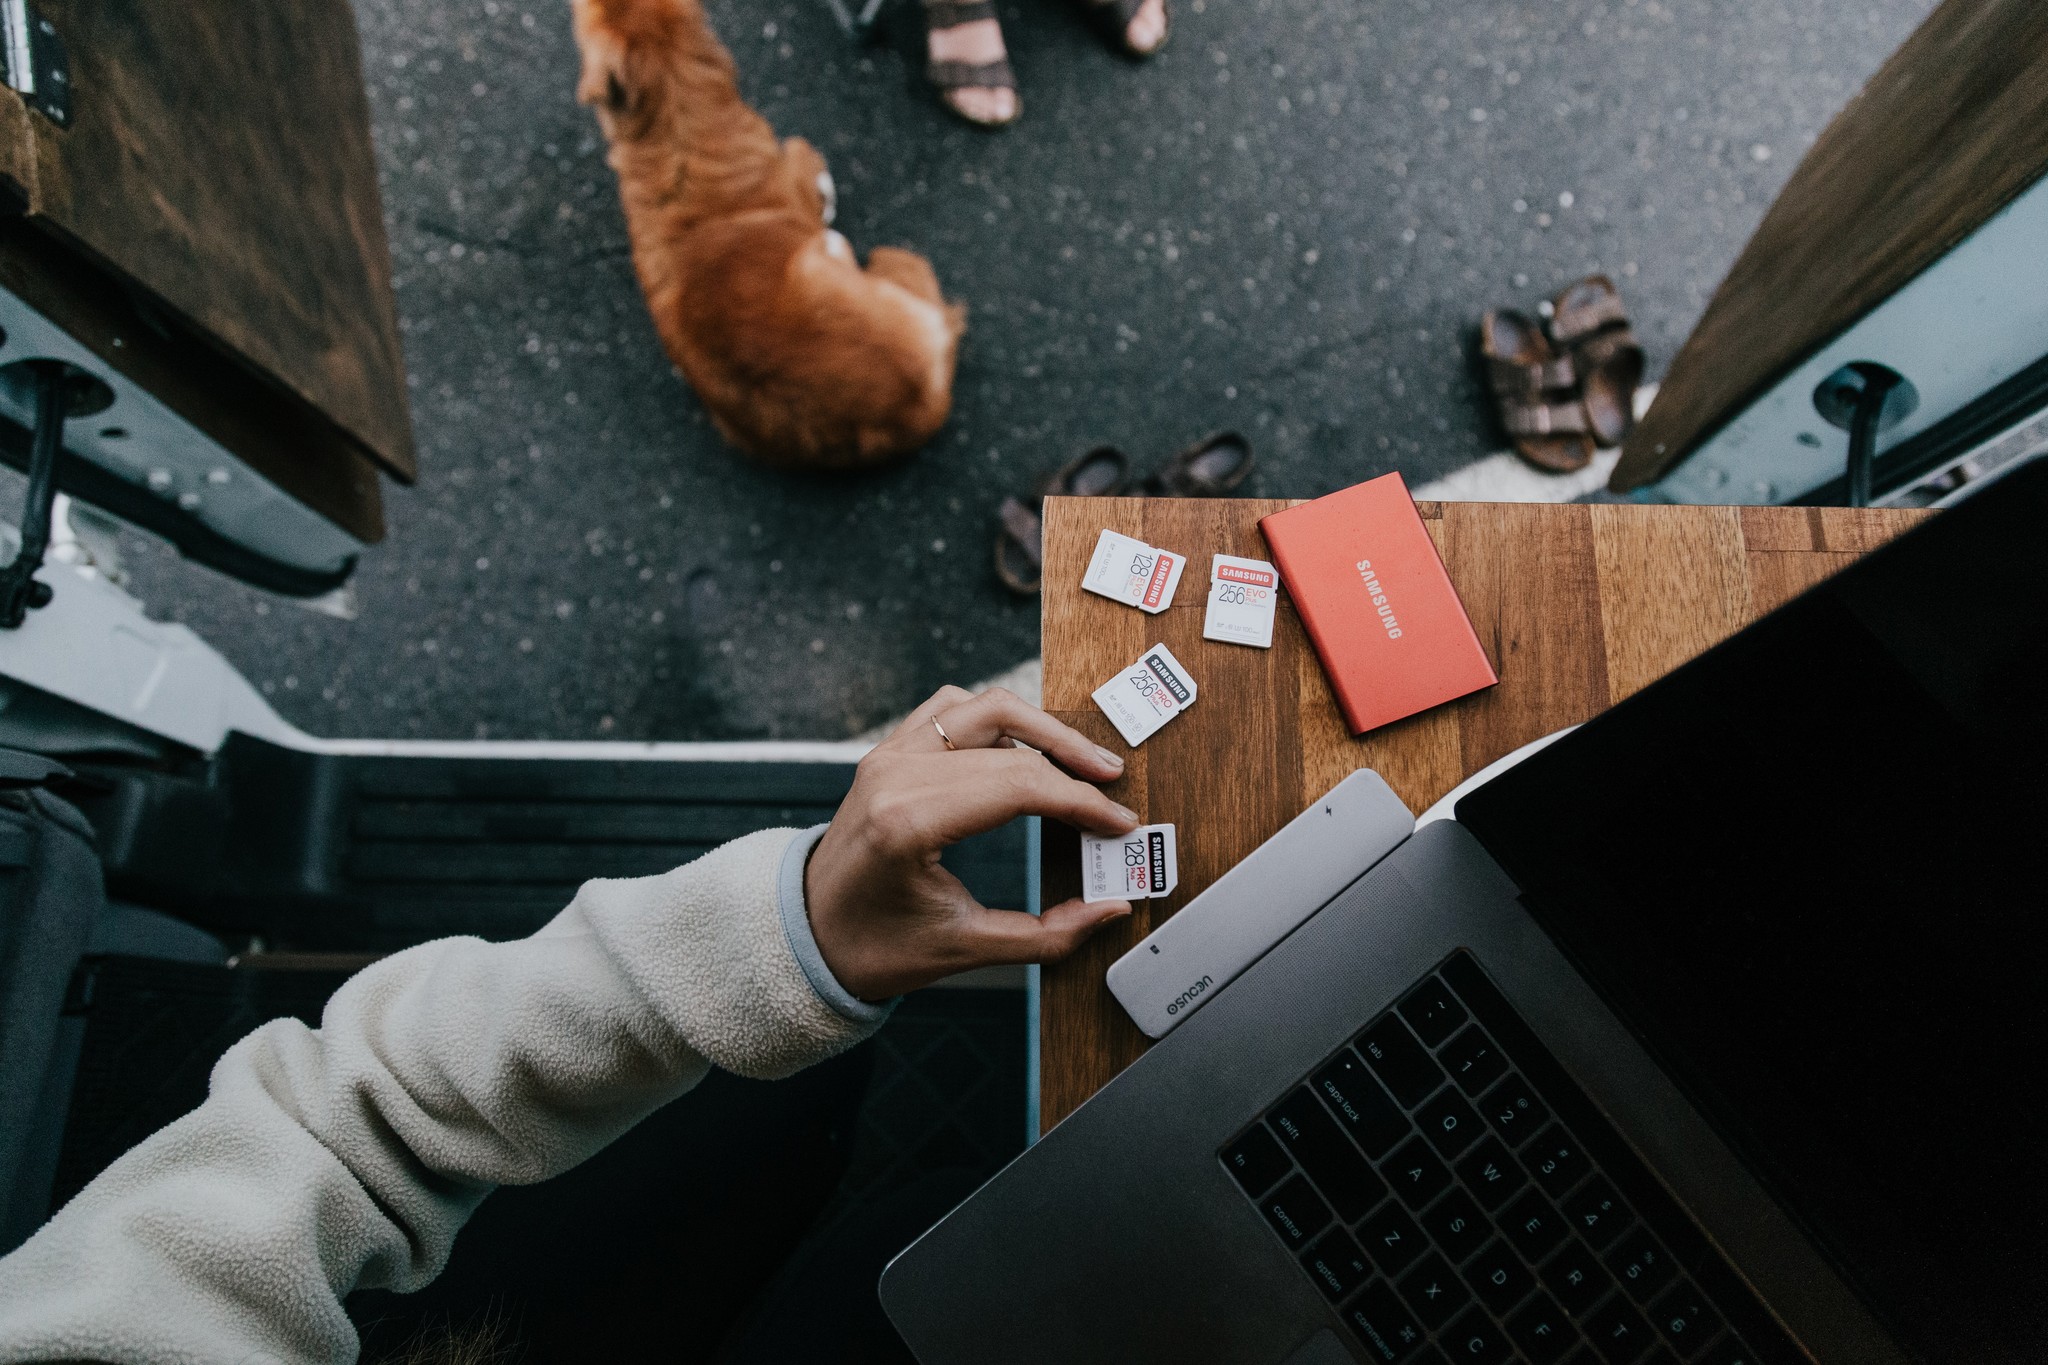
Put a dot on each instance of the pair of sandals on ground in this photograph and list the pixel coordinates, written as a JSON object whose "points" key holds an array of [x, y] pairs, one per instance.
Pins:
{"points": [[1564, 391], [969, 66], [1212, 467], [1561, 392]]}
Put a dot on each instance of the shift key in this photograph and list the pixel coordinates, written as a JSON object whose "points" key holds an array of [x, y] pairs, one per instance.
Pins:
{"points": [[1307, 1130]]}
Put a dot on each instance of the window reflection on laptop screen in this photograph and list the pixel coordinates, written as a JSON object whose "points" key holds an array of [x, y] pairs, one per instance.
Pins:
{"points": [[1807, 870]]}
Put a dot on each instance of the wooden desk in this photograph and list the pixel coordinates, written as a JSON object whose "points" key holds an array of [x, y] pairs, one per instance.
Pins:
{"points": [[1577, 606]]}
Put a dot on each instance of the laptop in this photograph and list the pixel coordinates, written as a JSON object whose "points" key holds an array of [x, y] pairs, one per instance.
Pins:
{"points": [[1715, 1032]]}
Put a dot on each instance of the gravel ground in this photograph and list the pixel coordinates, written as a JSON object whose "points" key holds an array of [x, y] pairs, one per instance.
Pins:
{"points": [[1287, 223]]}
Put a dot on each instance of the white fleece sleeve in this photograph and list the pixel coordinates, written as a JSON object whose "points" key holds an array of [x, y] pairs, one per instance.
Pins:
{"points": [[345, 1157]]}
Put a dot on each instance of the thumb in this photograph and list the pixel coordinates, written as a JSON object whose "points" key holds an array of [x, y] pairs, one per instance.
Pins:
{"points": [[1009, 936]]}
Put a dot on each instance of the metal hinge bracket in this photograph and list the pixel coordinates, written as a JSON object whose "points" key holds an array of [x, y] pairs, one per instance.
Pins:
{"points": [[37, 65]]}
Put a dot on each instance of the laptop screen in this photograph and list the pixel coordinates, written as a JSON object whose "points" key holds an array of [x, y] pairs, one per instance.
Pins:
{"points": [[1807, 869]]}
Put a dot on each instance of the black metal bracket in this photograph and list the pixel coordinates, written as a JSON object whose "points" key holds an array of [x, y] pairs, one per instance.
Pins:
{"points": [[38, 66], [20, 590], [1864, 398], [135, 504]]}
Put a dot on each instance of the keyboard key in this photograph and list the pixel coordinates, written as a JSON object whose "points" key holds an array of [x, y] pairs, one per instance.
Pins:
{"points": [[1398, 1060], [1474, 1340], [1597, 1213], [1729, 1351], [1498, 1277], [1415, 1173], [1576, 1277], [1433, 1012], [1256, 1160], [1391, 1239], [1295, 1212], [1455, 1224], [1515, 1110], [1540, 1328], [1361, 1104], [1556, 1160], [1618, 1332], [1642, 1266], [1473, 1061], [1533, 1226], [1503, 1243], [1434, 1291], [1491, 1174], [1381, 1324], [1336, 1265], [1320, 1148], [1448, 1122], [1685, 1317]]}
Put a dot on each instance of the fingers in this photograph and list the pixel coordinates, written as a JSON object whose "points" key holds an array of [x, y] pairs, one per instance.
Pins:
{"points": [[979, 789], [997, 714], [996, 938], [917, 726]]}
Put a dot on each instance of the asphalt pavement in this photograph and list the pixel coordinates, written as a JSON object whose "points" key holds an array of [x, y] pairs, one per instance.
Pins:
{"points": [[1287, 223]]}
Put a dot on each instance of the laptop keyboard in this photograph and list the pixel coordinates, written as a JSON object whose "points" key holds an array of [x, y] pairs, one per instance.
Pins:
{"points": [[1431, 1179]]}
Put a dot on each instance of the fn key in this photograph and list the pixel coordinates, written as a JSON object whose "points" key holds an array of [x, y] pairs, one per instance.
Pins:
{"points": [[1256, 1160]]}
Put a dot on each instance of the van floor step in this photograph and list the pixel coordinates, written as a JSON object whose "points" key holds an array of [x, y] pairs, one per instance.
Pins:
{"points": [[346, 852]]}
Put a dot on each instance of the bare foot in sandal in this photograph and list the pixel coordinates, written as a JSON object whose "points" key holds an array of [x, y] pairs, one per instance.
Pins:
{"points": [[1146, 33], [968, 63], [1137, 27]]}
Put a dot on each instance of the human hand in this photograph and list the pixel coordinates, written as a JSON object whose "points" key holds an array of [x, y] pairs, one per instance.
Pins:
{"points": [[886, 916]]}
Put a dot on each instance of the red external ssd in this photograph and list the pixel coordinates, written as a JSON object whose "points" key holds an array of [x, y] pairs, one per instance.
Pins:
{"points": [[1365, 577]]}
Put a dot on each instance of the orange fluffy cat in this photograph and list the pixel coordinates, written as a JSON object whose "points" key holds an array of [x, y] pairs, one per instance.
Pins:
{"points": [[801, 356]]}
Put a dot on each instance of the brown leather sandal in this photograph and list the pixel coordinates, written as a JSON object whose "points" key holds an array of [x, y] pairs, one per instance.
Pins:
{"points": [[940, 15], [1112, 19], [1210, 468], [1103, 472], [1589, 324], [1536, 393]]}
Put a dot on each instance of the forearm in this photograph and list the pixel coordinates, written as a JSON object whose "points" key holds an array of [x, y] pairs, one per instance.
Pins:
{"points": [[350, 1157]]}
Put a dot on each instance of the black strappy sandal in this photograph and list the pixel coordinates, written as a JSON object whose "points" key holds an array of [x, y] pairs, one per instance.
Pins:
{"points": [[1112, 19], [1103, 472], [1210, 468], [941, 15]]}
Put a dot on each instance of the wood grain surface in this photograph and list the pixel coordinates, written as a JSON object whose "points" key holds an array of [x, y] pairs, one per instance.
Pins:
{"points": [[1947, 133], [281, 438], [1577, 607], [219, 162]]}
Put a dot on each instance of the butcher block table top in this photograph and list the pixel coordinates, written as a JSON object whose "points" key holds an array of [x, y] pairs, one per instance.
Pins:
{"points": [[1577, 606]]}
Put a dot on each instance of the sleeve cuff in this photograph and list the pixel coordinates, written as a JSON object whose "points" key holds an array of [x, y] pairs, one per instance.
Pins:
{"points": [[796, 926]]}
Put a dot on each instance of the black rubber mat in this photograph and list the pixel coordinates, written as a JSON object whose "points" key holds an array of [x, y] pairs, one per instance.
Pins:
{"points": [[153, 1030], [945, 1110], [351, 853]]}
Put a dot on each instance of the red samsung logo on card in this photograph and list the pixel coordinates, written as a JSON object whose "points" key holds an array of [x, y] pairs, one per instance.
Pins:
{"points": [[1230, 573], [1161, 571]]}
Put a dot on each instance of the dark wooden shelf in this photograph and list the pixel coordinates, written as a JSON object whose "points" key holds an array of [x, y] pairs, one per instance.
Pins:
{"points": [[213, 209]]}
